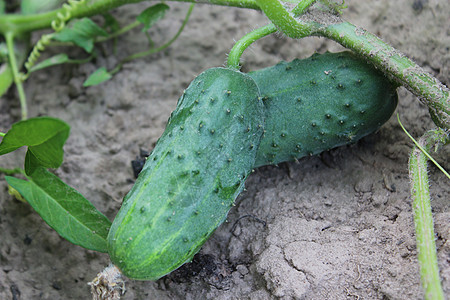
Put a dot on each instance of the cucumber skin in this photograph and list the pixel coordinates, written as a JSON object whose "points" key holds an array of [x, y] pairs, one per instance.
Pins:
{"points": [[191, 179], [318, 103]]}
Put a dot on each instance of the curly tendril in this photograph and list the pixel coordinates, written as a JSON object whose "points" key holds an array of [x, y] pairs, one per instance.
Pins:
{"points": [[57, 24]]}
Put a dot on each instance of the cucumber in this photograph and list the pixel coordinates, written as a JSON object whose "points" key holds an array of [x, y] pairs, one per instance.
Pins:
{"points": [[192, 177], [318, 103]]}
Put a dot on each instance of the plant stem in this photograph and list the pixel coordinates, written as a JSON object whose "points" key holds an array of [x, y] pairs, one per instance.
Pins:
{"points": [[422, 84], [118, 32], [302, 7], [425, 152], [396, 65], [19, 24], [158, 49], [271, 7], [2, 134], [238, 49], [423, 218], [283, 20], [12, 171], [17, 79]]}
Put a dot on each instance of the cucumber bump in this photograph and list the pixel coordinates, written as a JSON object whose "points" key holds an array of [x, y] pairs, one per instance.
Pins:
{"points": [[192, 177], [318, 103]]}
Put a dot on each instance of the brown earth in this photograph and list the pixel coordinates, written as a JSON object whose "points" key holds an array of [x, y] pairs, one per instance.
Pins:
{"points": [[334, 226]]}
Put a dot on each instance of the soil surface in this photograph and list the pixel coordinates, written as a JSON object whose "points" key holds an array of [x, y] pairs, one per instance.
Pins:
{"points": [[334, 226]]}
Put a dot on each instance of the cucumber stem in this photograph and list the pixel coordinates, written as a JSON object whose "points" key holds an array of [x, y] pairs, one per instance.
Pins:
{"points": [[279, 13], [284, 20], [302, 7], [238, 49], [422, 84], [396, 65]]}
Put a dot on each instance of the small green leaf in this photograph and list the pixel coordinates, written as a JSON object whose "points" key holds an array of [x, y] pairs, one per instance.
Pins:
{"points": [[52, 61], [64, 209], [31, 163], [81, 32], [44, 137], [6, 78], [152, 15], [111, 23], [100, 75]]}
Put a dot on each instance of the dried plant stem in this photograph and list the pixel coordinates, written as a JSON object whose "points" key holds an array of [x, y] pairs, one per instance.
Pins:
{"points": [[108, 285]]}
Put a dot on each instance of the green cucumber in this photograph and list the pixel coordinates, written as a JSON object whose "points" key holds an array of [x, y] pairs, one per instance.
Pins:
{"points": [[192, 178], [318, 103]]}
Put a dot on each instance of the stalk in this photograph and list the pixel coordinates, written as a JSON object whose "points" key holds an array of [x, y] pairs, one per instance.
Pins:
{"points": [[19, 24], [238, 49], [428, 89], [15, 71], [423, 218], [400, 68], [268, 7]]}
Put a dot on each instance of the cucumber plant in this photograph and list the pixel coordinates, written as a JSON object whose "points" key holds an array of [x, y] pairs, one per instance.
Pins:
{"points": [[198, 167], [295, 19]]}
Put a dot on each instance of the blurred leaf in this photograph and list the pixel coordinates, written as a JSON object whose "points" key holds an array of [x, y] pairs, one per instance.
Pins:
{"points": [[100, 75], [111, 23], [82, 33], [3, 52], [2, 7], [52, 61], [64, 209], [152, 15], [6, 77], [13, 192], [45, 138], [29, 7]]}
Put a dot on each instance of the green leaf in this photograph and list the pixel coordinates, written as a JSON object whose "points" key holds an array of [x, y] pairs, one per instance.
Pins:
{"points": [[2, 7], [52, 61], [111, 23], [64, 209], [6, 78], [45, 138], [100, 75], [82, 33], [152, 15]]}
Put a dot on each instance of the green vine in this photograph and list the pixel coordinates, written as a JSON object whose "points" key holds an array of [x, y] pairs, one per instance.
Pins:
{"points": [[239, 47], [16, 75], [57, 25], [423, 218], [402, 69]]}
